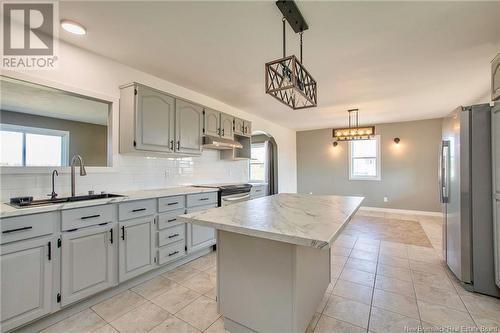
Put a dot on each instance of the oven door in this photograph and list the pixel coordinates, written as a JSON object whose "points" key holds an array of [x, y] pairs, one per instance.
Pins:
{"points": [[234, 198]]}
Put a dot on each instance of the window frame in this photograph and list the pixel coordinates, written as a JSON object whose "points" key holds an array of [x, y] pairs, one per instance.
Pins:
{"points": [[263, 144], [378, 175], [40, 131]]}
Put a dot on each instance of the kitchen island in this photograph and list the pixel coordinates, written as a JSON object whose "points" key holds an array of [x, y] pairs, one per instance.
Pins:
{"points": [[273, 258]]}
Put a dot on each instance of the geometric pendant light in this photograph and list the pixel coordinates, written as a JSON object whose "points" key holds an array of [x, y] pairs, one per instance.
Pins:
{"points": [[354, 131]]}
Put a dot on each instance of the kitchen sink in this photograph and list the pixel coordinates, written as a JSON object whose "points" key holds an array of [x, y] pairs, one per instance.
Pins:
{"points": [[26, 202]]}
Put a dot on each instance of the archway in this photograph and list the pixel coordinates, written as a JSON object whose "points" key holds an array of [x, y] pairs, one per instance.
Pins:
{"points": [[264, 160]]}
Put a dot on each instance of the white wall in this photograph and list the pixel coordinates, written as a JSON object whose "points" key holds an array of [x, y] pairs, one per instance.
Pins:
{"points": [[84, 72]]}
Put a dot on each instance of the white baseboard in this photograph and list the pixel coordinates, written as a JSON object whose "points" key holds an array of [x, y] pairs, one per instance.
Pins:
{"points": [[401, 211]]}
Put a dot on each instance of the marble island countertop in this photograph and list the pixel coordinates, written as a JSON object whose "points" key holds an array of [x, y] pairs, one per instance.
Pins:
{"points": [[308, 220], [7, 210]]}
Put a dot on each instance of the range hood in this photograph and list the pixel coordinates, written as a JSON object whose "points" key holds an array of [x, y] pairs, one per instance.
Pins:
{"points": [[215, 142]]}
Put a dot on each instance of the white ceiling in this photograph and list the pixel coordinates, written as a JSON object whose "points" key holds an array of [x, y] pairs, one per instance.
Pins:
{"points": [[25, 97], [395, 61]]}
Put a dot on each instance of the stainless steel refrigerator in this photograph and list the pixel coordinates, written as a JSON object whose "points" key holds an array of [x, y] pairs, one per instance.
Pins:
{"points": [[465, 182]]}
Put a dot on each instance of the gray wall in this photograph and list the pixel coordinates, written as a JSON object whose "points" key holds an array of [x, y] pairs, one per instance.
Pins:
{"points": [[88, 140], [409, 170]]}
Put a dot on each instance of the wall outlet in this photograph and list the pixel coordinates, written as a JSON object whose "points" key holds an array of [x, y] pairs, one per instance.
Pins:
{"points": [[386, 199]]}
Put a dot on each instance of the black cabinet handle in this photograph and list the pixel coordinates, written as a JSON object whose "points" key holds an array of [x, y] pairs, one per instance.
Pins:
{"points": [[138, 210], [18, 229], [171, 144], [178, 144], [49, 245], [171, 220], [90, 216], [222, 132], [203, 199], [172, 203], [111, 235], [173, 236], [173, 253], [123, 232]]}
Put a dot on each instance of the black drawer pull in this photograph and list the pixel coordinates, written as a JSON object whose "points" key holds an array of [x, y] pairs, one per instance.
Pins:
{"points": [[171, 220], [173, 253], [174, 235], [172, 203], [111, 236], [123, 232], [18, 229], [49, 255], [203, 199], [138, 210], [90, 216]]}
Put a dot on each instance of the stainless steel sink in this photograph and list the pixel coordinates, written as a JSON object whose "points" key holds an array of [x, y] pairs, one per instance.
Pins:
{"points": [[26, 202]]}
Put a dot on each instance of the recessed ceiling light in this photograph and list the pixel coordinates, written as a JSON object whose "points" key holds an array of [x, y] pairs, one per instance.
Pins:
{"points": [[73, 27]]}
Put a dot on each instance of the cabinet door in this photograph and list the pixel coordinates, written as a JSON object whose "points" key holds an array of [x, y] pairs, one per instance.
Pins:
{"points": [[137, 247], [26, 288], [226, 122], [211, 122], [188, 127], [198, 236], [154, 120], [88, 262], [247, 128], [239, 126]]}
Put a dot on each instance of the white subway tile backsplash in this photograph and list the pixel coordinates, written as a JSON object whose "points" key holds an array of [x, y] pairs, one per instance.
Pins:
{"points": [[131, 173]]}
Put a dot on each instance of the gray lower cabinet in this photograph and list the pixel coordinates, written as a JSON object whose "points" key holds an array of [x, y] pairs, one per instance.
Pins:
{"points": [[188, 127], [26, 281], [88, 262], [137, 247], [198, 236]]}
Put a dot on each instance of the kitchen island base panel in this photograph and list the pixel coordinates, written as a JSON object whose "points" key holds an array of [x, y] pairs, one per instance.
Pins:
{"points": [[269, 286]]}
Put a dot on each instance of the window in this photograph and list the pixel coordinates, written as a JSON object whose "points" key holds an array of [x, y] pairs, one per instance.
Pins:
{"points": [[258, 163], [364, 159], [31, 146]]}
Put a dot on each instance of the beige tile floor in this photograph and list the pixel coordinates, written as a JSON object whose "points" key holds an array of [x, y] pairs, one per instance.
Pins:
{"points": [[378, 285]]}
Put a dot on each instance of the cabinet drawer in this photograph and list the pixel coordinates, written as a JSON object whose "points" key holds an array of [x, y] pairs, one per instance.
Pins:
{"points": [[28, 226], [171, 203], [171, 252], [133, 209], [171, 235], [87, 216], [169, 219], [201, 199]]}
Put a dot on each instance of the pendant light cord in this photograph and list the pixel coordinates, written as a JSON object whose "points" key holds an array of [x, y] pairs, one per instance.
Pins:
{"points": [[284, 36], [301, 46]]}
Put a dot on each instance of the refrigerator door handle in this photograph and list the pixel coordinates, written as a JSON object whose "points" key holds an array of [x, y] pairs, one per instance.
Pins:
{"points": [[444, 171]]}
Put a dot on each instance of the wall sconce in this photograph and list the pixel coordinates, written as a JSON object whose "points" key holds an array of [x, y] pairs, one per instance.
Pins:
{"points": [[397, 140], [335, 144]]}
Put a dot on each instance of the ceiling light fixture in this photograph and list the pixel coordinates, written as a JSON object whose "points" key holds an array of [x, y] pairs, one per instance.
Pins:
{"points": [[354, 131], [73, 27], [287, 80]]}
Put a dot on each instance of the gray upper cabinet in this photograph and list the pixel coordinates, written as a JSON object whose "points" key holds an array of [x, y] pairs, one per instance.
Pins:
{"points": [[88, 262], [26, 275], [226, 125], [137, 247], [154, 120], [211, 122], [188, 127], [247, 128], [239, 126]]}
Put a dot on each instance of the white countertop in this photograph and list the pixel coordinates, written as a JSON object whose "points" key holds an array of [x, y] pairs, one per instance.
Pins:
{"points": [[308, 220], [10, 211]]}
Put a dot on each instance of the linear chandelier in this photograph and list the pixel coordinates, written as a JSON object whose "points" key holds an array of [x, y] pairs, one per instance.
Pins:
{"points": [[354, 131], [287, 80]]}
